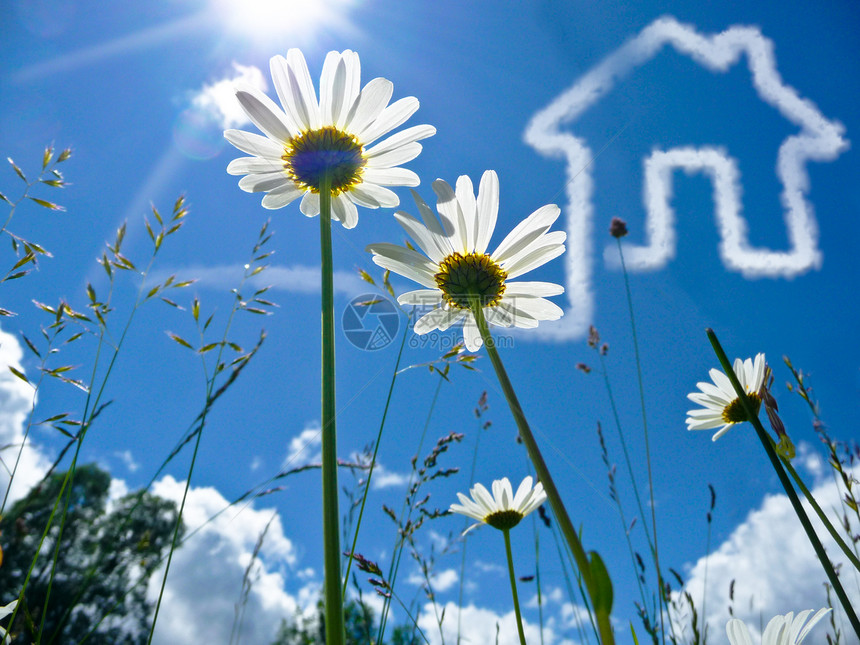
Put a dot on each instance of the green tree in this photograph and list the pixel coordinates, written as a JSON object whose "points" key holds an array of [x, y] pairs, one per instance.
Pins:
{"points": [[105, 549]]}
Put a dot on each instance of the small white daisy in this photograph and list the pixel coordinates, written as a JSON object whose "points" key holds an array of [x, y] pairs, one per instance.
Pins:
{"points": [[721, 406], [781, 630], [458, 271], [307, 137], [502, 510]]}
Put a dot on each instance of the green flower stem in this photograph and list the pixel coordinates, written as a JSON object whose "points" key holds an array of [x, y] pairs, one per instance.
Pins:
{"points": [[786, 483], [507, 533], [334, 627], [600, 601]]}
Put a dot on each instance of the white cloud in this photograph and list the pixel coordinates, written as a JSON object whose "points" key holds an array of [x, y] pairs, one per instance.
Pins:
{"points": [[127, 458], [478, 625], [383, 478], [293, 279], [819, 139], [441, 581], [16, 400], [304, 448], [205, 580], [773, 567], [489, 567], [218, 99]]}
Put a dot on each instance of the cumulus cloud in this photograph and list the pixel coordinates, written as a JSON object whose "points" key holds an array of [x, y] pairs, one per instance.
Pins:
{"points": [[16, 400], [481, 625], [218, 99], [819, 139], [206, 574], [304, 448], [127, 459], [773, 567], [441, 581], [384, 478]]}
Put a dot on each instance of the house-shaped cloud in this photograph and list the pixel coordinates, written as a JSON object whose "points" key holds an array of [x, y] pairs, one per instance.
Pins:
{"points": [[818, 139]]}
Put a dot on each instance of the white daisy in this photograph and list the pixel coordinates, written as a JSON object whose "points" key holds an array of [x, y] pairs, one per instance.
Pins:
{"points": [[721, 406], [502, 510], [458, 271], [781, 630], [307, 137]]}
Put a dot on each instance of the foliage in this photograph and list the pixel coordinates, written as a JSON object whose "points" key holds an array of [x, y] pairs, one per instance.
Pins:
{"points": [[107, 548]]}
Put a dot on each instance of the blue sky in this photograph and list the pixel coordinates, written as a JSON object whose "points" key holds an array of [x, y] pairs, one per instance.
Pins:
{"points": [[141, 96]]}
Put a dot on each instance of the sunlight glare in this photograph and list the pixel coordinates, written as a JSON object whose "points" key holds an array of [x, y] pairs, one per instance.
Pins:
{"points": [[269, 19]]}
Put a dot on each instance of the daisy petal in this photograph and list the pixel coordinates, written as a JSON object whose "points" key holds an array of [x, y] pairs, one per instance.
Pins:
{"points": [[409, 135], [535, 289], [471, 334], [468, 206], [538, 308], [526, 232], [721, 432], [254, 144], [281, 197], [391, 176], [535, 258], [302, 104], [738, 632], [310, 205], [451, 213], [264, 113], [439, 229], [524, 489], [369, 104], [249, 165], [280, 77], [264, 182], [391, 117], [421, 298], [426, 240], [373, 196], [488, 209], [440, 319], [344, 211], [395, 157]]}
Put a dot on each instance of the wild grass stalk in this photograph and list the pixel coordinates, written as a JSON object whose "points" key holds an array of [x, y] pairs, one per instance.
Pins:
{"points": [[213, 378], [95, 390], [404, 519], [407, 527], [480, 409], [618, 230], [376, 445]]}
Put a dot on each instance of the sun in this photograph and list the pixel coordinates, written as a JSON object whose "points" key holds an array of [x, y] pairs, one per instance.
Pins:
{"points": [[272, 20]]}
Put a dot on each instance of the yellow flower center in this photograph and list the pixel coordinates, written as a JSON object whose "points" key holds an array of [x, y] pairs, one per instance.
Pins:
{"points": [[465, 279], [734, 412], [311, 154], [504, 520]]}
